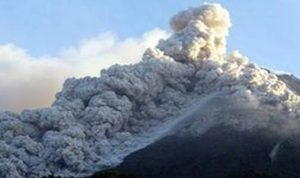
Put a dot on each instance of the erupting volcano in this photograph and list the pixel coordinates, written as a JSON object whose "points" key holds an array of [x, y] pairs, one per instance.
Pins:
{"points": [[188, 109]]}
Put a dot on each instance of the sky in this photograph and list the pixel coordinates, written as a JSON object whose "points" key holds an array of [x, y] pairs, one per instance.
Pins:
{"points": [[43, 42]]}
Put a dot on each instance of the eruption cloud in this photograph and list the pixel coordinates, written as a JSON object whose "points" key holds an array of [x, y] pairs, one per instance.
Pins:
{"points": [[96, 121]]}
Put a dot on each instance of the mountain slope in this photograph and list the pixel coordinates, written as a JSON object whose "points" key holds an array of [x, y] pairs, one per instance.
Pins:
{"points": [[219, 152], [223, 149]]}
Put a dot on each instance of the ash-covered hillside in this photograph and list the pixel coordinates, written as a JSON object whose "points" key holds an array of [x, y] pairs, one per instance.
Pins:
{"points": [[220, 149], [187, 85]]}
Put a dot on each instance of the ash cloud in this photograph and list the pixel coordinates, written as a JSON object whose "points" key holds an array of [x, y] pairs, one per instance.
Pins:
{"points": [[96, 121]]}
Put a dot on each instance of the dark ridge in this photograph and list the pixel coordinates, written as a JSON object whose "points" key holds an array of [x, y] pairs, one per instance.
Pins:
{"points": [[112, 174], [221, 152]]}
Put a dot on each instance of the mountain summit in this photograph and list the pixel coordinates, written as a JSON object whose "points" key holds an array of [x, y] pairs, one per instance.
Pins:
{"points": [[186, 92]]}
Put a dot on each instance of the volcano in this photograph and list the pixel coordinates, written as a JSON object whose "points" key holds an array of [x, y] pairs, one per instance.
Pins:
{"points": [[221, 150], [188, 109]]}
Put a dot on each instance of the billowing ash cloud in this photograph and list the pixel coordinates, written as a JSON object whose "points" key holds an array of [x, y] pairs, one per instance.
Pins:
{"points": [[96, 121], [206, 28]]}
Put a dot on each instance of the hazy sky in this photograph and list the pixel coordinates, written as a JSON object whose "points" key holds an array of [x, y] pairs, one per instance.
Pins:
{"points": [[100, 32], [268, 31]]}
